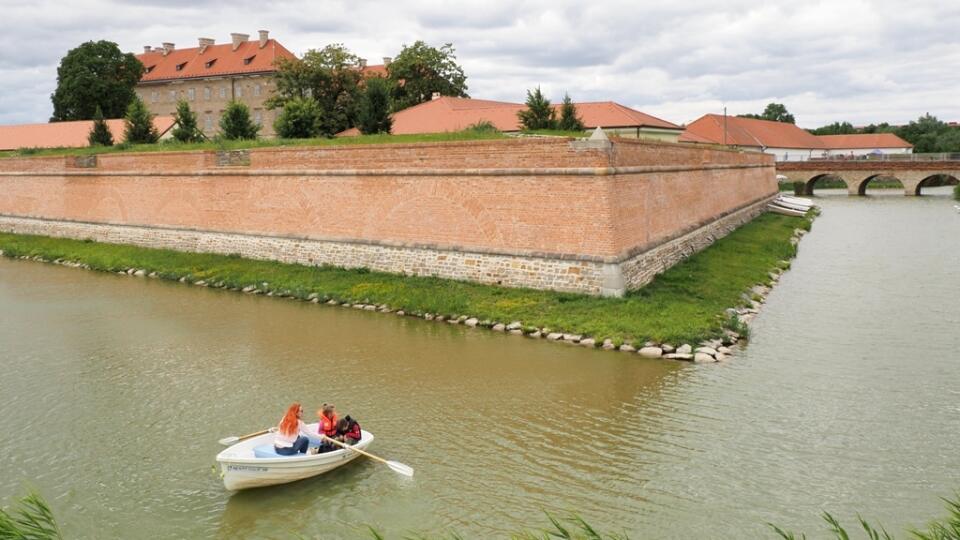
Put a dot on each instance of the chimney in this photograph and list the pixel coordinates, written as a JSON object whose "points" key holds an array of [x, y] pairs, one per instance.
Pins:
{"points": [[363, 63], [204, 43], [435, 95], [158, 49], [264, 36], [386, 61], [237, 39], [167, 48], [147, 48]]}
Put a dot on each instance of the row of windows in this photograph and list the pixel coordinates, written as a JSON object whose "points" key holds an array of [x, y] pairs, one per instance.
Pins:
{"points": [[191, 93], [208, 119]]}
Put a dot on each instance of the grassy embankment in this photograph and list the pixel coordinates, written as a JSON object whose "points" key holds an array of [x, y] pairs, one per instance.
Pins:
{"points": [[685, 303], [174, 146]]}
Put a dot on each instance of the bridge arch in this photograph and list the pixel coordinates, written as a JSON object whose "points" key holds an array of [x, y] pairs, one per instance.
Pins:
{"points": [[808, 190], [862, 185], [939, 179]]}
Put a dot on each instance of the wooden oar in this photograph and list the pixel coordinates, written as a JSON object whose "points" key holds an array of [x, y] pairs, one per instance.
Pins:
{"points": [[233, 439], [395, 466]]}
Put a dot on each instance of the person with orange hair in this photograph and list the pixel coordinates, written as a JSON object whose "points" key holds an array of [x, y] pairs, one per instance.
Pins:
{"points": [[291, 436]]}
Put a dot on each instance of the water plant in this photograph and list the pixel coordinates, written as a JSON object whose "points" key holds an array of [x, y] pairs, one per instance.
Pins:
{"points": [[32, 520]]}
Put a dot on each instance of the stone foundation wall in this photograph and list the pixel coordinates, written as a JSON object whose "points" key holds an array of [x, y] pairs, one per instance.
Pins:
{"points": [[585, 216]]}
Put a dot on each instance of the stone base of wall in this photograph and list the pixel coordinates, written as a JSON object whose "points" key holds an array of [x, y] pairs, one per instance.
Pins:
{"points": [[567, 275], [640, 269]]}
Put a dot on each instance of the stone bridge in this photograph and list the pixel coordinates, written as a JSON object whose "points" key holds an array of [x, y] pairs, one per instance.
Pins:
{"points": [[857, 174]]}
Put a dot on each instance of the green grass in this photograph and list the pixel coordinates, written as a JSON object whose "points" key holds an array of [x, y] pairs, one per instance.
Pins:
{"points": [[956, 192], [174, 146], [686, 303]]}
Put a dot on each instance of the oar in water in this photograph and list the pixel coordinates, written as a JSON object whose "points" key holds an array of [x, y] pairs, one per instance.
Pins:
{"points": [[233, 439], [395, 466]]}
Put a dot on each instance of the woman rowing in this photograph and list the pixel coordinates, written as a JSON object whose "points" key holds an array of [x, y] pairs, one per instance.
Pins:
{"points": [[291, 437]]}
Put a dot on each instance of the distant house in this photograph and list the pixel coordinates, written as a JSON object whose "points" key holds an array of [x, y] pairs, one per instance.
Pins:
{"points": [[447, 114], [862, 144], [785, 141], [67, 134], [788, 142]]}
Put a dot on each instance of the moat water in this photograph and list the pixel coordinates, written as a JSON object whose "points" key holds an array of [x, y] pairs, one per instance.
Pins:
{"points": [[115, 390]]}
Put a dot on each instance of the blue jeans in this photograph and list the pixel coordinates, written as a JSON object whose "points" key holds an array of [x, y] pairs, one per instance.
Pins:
{"points": [[299, 447]]}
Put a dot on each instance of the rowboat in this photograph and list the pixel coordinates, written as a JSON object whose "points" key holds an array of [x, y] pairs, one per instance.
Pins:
{"points": [[791, 205], [254, 463], [800, 201], [776, 208]]}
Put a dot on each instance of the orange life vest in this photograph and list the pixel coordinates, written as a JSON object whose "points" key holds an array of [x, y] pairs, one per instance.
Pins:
{"points": [[328, 426]]}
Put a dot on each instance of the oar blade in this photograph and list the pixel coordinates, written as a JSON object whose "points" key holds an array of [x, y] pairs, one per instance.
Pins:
{"points": [[227, 441], [400, 468]]}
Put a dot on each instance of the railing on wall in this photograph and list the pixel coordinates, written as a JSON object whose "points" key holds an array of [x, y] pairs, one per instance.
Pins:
{"points": [[936, 156]]}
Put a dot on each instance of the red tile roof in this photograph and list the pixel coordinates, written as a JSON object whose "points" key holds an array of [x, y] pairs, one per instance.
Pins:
{"points": [[65, 134], [214, 61], [378, 70], [864, 140], [447, 114], [749, 132]]}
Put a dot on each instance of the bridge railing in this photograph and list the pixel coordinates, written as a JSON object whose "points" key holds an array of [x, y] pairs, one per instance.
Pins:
{"points": [[935, 156]]}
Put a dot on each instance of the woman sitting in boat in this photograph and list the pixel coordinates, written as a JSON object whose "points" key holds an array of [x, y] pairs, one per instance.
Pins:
{"points": [[291, 436], [348, 430]]}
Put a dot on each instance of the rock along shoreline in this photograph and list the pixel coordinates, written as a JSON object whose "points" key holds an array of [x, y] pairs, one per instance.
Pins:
{"points": [[719, 349]]}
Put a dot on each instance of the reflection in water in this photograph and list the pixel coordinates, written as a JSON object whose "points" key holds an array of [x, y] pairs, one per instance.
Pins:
{"points": [[116, 390]]}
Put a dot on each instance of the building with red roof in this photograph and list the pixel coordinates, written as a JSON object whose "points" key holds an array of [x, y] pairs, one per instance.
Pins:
{"points": [[448, 114], [786, 141], [67, 134]]}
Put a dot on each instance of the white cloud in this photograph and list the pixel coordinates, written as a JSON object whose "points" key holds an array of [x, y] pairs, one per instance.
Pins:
{"points": [[857, 60]]}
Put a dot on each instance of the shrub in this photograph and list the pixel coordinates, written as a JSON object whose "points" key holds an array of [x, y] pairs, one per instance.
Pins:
{"points": [[100, 133], [374, 116], [140, 128], [236, 123], [301, 118], [186, 121], [483, 126]]}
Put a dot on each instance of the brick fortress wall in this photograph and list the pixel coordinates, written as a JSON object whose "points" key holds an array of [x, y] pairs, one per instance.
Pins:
{"points": [[581, 216]]}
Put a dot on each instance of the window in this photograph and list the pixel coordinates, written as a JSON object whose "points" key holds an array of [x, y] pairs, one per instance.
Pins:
{"points": [[239, 91], [181, 66], [208, 121], [257, 116], [247, 60], [206, 93], [256, 89], [223, 92], [149, 69], [154, 96], [173, 95], [191, 94], [209, 64]]}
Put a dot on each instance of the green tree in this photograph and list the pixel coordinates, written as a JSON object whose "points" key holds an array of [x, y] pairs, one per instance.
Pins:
{"points": [[100, 133], [836, 128], [301, 118], [374, 114], [330, 76], [923, 133], [139, 124], [186, 121], [539, 114], [95, 74], [569, 121], [420, 70], [236, 123], [776, 112]]}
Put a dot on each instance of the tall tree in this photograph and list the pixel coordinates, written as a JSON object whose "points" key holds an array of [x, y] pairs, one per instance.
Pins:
{"points": [[186, 122], [776, 112], [139, 123], [375, 107], [539, 114], [569, 121], [95, 74], [100, 133], [236, 123], [301, 118], [330, 76], [420, 70]]}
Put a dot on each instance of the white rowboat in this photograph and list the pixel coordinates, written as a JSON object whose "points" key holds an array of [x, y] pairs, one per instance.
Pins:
{"points": [[791, 205], [254, 463], [776, 208], [800, 201]]}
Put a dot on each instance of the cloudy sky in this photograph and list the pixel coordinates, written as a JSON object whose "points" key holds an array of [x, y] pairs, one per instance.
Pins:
{"points": [[860, 61]]}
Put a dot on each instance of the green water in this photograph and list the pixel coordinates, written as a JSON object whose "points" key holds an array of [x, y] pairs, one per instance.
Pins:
{"points": [[115, 391]]}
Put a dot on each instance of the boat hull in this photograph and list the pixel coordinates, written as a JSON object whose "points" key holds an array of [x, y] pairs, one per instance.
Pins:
{"points": [[240, 469], [776, 208]]}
